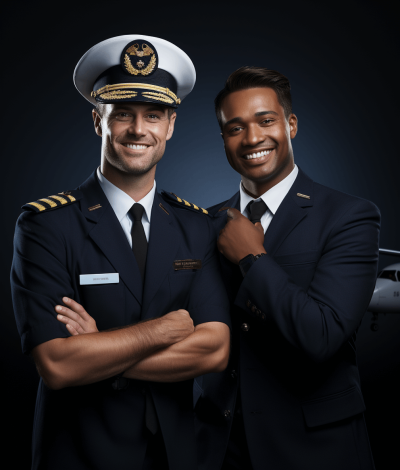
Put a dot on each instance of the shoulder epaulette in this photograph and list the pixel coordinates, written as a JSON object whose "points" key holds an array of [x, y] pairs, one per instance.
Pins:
{"points": [[175, 200], [53, 202]]}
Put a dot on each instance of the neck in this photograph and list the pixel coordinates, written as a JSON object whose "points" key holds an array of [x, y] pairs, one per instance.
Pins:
{"points": [[135, 186], [256, 188]]}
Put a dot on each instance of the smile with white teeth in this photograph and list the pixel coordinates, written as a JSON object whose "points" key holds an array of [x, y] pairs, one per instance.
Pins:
{"points": [[258, 154], [135, 147]]}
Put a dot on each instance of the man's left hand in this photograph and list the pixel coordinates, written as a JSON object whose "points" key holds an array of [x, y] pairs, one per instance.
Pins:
{"points": [[75, 318], [240, 237]]}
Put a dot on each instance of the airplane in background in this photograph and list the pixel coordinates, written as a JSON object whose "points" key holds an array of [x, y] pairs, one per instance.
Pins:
{"points": [[386, 296]]}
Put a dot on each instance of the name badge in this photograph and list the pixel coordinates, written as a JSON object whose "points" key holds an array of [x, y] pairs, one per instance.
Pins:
{"points": [[187, 264], [107, 278]]}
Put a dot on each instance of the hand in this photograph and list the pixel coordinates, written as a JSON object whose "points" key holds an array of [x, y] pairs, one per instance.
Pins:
{"points": [[75, 317], [178, 325], [240, 237]]}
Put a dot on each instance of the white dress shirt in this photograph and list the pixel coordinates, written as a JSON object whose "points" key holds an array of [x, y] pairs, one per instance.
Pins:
{"points": [[273, 198], [121, 203]]}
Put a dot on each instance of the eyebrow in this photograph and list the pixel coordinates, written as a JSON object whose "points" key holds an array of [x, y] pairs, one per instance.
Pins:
{"points": [[239, 119]]}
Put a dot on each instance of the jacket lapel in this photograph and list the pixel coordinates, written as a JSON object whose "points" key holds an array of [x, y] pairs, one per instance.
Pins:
{"points": [[289, 214], [163, 245], [108, 235]]}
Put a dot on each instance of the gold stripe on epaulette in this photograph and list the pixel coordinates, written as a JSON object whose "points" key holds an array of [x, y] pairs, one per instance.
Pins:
{"points": [[71, 198], [194, 205], [186, 203], [303, 195], [49, 202], [39, 206], [177, 197], [61, 199], [205, 211]]}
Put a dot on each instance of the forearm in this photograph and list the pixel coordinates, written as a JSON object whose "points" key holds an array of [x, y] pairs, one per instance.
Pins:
{"points": [[317, 321], [88, 358], [205, 350], [317, 301]]}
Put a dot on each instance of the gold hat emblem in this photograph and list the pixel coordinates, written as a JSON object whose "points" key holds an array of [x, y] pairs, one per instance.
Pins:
{"points": [[139, 50]]}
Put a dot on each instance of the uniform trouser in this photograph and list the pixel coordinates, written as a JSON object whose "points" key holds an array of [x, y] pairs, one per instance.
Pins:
{"points": [[156, 456], [237, 455]]}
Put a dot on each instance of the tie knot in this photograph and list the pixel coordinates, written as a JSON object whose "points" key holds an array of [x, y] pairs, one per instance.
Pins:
{"points": [[136, 211], [256, 210]]}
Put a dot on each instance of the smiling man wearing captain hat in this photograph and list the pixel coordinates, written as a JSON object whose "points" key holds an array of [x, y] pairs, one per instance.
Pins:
{"points": [[118, 296]]}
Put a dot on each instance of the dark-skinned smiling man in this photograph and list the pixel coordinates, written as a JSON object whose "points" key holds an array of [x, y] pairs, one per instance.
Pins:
{"points": [[116, 288], [299, 262]]}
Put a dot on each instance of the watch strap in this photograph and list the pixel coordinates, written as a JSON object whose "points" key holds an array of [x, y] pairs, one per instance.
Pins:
{"points": [[247, 262]]}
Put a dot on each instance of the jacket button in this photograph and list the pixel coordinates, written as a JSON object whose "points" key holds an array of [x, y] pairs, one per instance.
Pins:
{"points": [[227, 413], [245, 327], [248, 303], [253, 308], [233, 374], [262, 316]]}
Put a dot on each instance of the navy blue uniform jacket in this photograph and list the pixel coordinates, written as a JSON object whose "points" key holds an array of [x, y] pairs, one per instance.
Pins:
{"points": [[95, 426], [294, 320]]}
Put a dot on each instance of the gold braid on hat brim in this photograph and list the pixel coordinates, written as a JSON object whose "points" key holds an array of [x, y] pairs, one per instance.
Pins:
{"points": [[115, 92]]}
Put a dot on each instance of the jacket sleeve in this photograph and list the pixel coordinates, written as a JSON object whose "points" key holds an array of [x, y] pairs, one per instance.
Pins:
{"points": [[320, 320], [39, 279], [208, 298]]}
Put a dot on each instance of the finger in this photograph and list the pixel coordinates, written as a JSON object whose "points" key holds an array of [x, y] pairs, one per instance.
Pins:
{"points": [[230, 213], [73, 305], [72, 330], [259, 226], [70, 323], [233, 213], [182, 310], [67, 312]]}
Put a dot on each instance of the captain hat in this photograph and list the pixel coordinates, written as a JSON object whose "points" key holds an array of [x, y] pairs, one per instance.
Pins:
{"points": [[135, 68]]}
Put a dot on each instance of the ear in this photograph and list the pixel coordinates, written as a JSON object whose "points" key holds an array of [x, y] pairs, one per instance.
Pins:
{"points": [[171, 126], [97, 122], [292, 125]]}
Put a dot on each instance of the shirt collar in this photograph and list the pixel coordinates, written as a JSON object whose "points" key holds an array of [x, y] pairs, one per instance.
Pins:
{"points": [[120, 201], [274, 196]]}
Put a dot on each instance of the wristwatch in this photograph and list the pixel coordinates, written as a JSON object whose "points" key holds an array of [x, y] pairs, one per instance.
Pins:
{"points": [[247, 262]]}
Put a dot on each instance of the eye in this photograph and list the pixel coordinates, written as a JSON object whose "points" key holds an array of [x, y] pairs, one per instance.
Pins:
{"points": [[235, 129], [153, 116], [122, 115], [267, 121]]}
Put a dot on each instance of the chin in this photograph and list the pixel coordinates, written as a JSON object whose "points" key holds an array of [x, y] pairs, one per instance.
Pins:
{"points": [[137, 170]]}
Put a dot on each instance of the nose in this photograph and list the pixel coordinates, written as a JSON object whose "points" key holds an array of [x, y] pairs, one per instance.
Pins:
{"points": [[254, 135], [137, 127]]}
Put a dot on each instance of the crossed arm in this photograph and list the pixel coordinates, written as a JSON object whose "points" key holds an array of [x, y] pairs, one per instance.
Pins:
{"points": [[165, 349]]}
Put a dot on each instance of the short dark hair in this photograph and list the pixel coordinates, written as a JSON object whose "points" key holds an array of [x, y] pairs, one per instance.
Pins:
{"points": [[256, 77], [99, 110]]}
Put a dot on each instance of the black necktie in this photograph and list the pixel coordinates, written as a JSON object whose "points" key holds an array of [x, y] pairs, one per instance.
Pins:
{"points": [[139, 241], [256, 210], [139, 248]]}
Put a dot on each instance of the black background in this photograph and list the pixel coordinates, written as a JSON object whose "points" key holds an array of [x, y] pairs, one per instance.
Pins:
{"points": [[341, 59]]}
